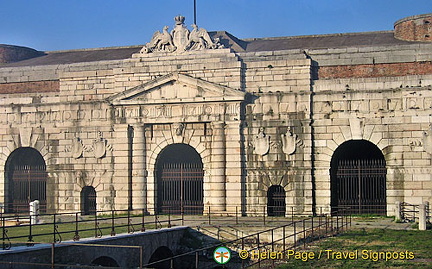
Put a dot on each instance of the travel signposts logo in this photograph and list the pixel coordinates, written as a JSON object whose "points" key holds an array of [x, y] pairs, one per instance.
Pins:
{"points": [[222, 255]]}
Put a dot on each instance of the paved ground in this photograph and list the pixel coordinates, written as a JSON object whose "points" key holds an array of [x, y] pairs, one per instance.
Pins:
{"points": [[381, 223]]}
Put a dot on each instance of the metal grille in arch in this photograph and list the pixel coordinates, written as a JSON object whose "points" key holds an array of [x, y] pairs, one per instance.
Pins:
{"points": [[361, 185], [180, 188]]}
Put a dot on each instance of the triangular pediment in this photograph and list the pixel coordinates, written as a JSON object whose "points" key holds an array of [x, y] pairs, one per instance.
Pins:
{"points": [[177, 88]]}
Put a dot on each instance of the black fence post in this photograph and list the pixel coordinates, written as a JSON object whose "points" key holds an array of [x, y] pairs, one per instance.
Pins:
{"points": [[292, 214], [243, 248], [54, 228], [312, 231], [143, 221], [236, 215], [76, 236], [96, 225], [112, 224], [284, 239], [337, 222], [30, 236], [304, 233], [129, 222], [272, 245], [209, 215], [3, 232], [259, 250], [52, 255]]}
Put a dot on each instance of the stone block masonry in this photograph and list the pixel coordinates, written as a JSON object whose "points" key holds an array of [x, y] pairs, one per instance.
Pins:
{"points": [[271, 121]]}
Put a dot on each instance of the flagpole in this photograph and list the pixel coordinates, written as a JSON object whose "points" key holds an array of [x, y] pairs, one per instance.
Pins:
{"points": [[195, 12]]}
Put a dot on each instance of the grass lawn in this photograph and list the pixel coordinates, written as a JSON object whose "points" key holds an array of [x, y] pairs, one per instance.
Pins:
{"points": [[43, 233], [361, 247]]}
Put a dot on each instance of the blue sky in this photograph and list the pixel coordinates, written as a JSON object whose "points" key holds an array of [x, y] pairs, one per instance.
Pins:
{"points": [[73, 24]]}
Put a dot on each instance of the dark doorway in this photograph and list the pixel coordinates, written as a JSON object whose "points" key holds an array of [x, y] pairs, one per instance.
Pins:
{"points": [[161, 253], [358, 178], [179, 172], [25, 180], [276, 201], [88, 201]]}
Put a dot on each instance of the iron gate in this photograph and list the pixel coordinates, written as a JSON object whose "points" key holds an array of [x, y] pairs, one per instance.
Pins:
{"points": [[276, 201], [361, 186], [180, 188], [28, 184]]}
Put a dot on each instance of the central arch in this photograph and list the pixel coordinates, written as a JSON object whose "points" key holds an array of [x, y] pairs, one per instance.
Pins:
{"points": [[358, 178], [180, 180], [25, 179]]}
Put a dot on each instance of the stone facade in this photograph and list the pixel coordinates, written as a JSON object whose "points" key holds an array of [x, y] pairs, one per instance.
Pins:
{"points": [[259, 112]]}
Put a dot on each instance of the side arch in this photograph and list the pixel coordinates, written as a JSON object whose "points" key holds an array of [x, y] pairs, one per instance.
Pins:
{"points": [[25, 179], [358, 178], [276, 205], [88, 200]]}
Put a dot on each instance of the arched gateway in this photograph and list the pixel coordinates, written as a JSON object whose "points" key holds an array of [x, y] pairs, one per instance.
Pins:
{"points": [[179, 174], [358, 178], [26, 179]]}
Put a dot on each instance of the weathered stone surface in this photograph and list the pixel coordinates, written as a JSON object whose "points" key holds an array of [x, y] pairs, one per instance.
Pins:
{"points": [[266, 116]]}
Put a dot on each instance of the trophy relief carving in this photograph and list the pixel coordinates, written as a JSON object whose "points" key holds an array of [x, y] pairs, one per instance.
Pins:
{"points": [[289, 142], [99, 147], [77, 148], [261, 142]]}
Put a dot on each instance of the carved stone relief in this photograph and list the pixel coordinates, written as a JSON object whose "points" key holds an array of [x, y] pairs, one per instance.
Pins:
{"points": [[261, 142], [77, 148], [357, 127], [99, 147], [178, 128], [427, 140], [289, 142]]}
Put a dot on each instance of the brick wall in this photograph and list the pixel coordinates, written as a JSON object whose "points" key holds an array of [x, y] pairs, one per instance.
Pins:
{"points": [[415, 28], [30, 87], [375, 70]]}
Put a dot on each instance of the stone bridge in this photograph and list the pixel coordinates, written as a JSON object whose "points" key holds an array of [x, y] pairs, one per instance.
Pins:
{"points": [[124, 250]]}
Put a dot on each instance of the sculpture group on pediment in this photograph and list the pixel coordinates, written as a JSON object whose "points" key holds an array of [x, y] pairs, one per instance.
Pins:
{"points": [[181, 39]]}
